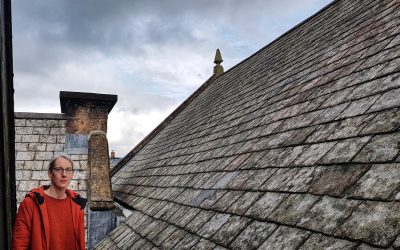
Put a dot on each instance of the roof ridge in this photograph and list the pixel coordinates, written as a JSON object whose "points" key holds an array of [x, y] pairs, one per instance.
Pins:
{"points": [[285, 34]]}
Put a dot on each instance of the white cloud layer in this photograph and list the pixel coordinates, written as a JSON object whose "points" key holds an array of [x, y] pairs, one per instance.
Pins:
{"points": [[152, 54]]}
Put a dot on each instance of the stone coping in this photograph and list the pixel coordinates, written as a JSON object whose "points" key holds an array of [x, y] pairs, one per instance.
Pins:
{"points": [[43, 116], [68, 97]]}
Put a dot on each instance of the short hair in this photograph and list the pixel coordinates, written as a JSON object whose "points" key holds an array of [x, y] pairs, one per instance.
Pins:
{"points": [[57, 156]]}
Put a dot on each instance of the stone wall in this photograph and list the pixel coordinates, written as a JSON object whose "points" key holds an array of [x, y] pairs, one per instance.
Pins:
{"points": [[38, 137]]}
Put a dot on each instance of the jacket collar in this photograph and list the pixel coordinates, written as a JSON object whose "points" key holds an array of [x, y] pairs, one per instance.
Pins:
{"points": [[37, 194]]}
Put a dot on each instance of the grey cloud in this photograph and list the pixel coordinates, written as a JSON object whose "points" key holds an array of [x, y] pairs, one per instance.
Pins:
{"points": [[166, 47], [48, 33]]}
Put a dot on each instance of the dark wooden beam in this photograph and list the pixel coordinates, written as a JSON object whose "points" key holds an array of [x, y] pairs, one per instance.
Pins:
{"points": [[7, 158]]}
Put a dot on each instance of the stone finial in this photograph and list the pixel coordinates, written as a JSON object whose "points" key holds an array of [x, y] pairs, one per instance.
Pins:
{"points": [[218, 57], [218, 69]]}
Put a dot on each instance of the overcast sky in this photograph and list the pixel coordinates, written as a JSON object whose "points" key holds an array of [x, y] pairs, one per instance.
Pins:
{"points": [[152, 53]]}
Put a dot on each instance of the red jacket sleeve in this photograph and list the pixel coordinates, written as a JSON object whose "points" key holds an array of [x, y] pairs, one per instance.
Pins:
{"points": [[23, 225]]}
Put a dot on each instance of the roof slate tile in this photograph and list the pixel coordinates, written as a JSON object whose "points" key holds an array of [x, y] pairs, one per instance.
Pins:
{"points": [[140, 228], [265, 205], [212, 199], [136, 244], [337, 97], [204, 244], [359, 107], [293, 208], [186, 217], [322, 132], [327, 214], [225, 179], [252, 161], [278, 180], [212, 226], [387, 100], [254, 234], [381, 148], [364, 90], [237, 162], [319, 241], [107, 243], [136, 219], [166, 210], [285, 238], [285, 156], [199, 220], [332, 113], [153, 226], [350, 127], [380, 182], [384, 122], [157, 228], [344, 150], [335, 180], [258, 179], [390, 82], [227, 200], [299, 137], [368, 247], [302, 180], [203, 178], [379, 230], [163, 235], [202, 196], [396, 244], [394, 42], [243, 203], [213, 180], [173, 239], [242, 176], [229, 231], [314, 153], [187, 242]]}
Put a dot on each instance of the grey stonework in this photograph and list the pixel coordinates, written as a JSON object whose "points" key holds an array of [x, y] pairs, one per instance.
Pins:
{"points": [[40, 137], [34, 150]]}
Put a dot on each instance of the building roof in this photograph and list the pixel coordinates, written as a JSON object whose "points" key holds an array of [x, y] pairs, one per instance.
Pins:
{"points": [[295, 147]]}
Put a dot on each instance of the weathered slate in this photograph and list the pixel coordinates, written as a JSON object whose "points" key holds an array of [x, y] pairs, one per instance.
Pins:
{"points": [[296, 147]]}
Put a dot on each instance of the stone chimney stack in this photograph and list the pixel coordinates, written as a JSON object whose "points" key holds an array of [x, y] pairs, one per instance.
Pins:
{"points": [[86, 128], [86, 111], [112, 154]]}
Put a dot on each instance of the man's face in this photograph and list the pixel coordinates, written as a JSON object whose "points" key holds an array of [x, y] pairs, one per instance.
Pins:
{"points": [[61, 178]]}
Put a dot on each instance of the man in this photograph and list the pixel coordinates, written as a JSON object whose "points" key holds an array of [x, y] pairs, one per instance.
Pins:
{"points": [[52, 217]]}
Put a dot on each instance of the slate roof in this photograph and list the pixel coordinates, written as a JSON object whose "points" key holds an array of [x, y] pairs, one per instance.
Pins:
{"points": [[296, 147]]}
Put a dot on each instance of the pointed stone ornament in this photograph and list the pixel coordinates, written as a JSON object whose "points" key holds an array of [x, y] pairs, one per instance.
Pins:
{"points": [[218, 69], [218, 57]]}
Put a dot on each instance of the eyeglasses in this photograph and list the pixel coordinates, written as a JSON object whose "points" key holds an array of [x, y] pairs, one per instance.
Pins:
{"points": [[60, 170]]}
